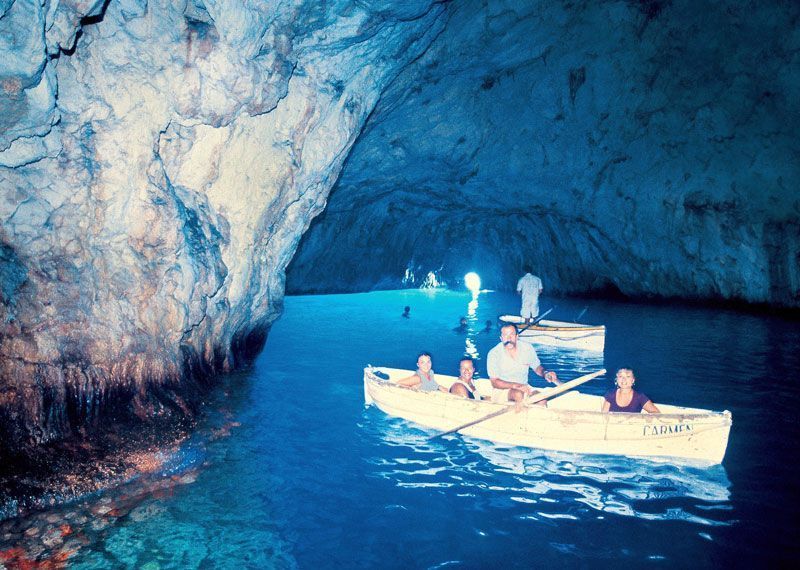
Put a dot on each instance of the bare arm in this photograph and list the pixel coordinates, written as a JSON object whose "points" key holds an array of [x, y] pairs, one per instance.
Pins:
{"points": [[504, 385], [413, 381], [548, 375], [651, 408], [606, 406]]}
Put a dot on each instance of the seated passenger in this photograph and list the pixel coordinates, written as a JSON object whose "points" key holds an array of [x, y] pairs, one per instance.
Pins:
{"points": [[422, 379], [624, 398], [464, 386]]}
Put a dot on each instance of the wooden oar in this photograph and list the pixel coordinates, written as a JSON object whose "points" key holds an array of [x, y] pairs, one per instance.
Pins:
{"points": [[561, 388], [543, 315], [537, 398], [536, 320]]}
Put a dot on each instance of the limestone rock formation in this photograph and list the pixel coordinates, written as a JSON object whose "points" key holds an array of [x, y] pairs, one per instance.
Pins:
{"points": [[159, 162], [645, 146]]}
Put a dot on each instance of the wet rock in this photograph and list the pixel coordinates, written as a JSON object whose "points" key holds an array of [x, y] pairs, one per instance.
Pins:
{"points": [[11, 537], [35, 551], [52, 538], [145, 512], [148, 212], [98, 524], [32, 531], [187, 479], [101, 509]]}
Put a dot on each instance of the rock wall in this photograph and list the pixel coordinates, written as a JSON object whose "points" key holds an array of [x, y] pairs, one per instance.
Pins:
{"points": [[648, 147], [159, 162]]}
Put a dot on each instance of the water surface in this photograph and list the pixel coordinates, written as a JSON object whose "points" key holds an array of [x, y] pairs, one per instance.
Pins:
{"points": [[290, 469]]}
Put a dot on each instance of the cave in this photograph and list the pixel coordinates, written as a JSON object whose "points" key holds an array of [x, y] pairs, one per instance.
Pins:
{"points": [[169, 171], [632, 147]]}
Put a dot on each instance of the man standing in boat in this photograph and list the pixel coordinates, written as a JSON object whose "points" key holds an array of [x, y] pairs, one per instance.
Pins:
{"points": [[507, 367], [530, 287]]}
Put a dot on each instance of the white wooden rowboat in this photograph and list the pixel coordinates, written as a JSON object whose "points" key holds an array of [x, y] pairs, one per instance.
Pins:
{"points": [[571, 422], [560, 333]]}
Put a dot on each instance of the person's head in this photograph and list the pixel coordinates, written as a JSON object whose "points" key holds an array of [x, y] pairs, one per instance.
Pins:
{"points": [[424, 361], [407, 309], [462, 321], [508, 335], [527, 269], [625, 378], [466, 368]]}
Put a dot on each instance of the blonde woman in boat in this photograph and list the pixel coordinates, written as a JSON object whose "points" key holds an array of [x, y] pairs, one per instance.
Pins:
{"points": [[422, 379], [464, 386], [624, 398]]}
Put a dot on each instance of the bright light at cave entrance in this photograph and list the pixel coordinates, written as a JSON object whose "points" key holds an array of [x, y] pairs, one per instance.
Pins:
{"points": [[473, 282]]}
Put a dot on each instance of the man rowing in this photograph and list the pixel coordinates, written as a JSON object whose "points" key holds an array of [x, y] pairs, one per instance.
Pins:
{"points": [[507, 367]]}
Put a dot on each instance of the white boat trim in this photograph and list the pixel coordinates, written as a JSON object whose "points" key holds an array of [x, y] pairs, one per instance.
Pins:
{"points": [[560, 333]]}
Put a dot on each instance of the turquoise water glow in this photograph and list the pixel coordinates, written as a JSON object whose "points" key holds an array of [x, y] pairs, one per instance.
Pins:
{"points": [[290, 469]]}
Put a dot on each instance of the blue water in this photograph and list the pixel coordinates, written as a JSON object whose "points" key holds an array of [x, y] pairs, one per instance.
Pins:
{"points": [[290, 470]]}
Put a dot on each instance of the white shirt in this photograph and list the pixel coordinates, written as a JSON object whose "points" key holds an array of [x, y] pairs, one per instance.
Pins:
{"points": [[500, 364], [529, 285]]}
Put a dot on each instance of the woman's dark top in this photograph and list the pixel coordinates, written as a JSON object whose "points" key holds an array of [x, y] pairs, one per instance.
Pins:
{"points": [[637, 402], [470, 391]]}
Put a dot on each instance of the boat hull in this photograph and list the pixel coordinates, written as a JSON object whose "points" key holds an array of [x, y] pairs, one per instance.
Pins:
{"points": [[560, 333], [572, 422]]}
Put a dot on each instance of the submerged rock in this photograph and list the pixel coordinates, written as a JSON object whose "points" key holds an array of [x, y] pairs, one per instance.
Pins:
{"points": [[159, 162]]}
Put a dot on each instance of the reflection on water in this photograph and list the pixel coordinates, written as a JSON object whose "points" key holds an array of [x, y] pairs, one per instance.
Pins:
{"points": [[554, 483], [472, 307], [282, 477], [471, 349]]}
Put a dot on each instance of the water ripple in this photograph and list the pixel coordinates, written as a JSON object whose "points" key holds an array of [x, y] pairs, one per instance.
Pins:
{"points": [[561, 485]]}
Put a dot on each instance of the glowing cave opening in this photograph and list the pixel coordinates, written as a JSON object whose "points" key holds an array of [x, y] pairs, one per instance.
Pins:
{"points": [[472, 282]]}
